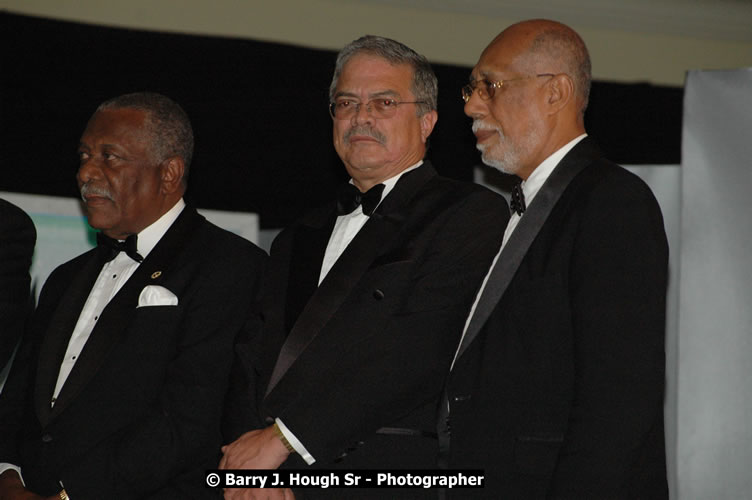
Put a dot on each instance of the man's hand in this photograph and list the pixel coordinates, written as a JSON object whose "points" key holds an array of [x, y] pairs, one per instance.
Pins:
{"points": [[11, 488], [259, 449]]}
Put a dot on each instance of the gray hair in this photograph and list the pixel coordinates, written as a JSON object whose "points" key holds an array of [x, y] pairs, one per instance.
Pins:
{"points": [[563, 46], [168, 124], [424, 85]]}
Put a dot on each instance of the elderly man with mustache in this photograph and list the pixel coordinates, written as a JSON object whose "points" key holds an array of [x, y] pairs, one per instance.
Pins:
{"points": [[557, 386], [365, 297], [117, 391]]}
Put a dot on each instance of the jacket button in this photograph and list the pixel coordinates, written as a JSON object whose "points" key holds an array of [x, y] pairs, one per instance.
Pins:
{"points": [[378, 294], [269, 420], [459, 399], [46, 438]]}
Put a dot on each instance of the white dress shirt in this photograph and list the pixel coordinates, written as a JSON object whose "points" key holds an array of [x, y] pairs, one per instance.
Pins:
{"points": [[348, 225], [530, 188], [345, 229], [111, 279]]}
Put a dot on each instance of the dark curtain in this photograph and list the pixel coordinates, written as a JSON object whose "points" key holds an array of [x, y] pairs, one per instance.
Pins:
{"points": [[259, 112]]}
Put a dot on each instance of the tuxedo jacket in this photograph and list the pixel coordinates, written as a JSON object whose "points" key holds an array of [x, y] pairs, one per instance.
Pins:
{"points": [[370, 347], [17, 238], [560, 392], [139, 414]]}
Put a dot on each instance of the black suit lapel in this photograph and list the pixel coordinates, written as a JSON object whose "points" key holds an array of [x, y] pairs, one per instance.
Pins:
{"points": [[58, 333], [115, 318], [308, 250], [524, 234], [375, 236]]}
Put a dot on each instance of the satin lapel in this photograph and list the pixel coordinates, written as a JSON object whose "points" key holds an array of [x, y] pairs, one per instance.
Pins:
{"points": [[524, 234], [375, 236], [115, 319], [58, 333], [308, 250]]}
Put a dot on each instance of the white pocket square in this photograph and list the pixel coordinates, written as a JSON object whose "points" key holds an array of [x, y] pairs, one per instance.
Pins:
{"points": [[155, 295]]}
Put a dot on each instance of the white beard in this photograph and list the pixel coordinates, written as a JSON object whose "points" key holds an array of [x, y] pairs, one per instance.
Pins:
{"points": [[505, 155]]}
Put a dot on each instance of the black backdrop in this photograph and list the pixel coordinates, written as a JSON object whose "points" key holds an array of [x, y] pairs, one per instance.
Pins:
{"points": [[259, 112]]}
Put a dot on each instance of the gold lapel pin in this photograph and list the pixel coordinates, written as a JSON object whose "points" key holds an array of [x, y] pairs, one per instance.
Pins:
{"points": [[156, 274]]}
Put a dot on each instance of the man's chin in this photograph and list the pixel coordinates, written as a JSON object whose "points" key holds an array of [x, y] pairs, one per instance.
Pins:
{"points": [[98, 220], [500, 166], [361, 163]]}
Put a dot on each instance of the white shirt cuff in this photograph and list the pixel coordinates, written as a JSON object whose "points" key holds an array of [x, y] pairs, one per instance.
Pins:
{"points": [[295, 442], [6, 466]]}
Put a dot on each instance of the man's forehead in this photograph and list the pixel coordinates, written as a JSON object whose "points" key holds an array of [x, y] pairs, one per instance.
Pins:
{"points": [[117, 117], [369, 68], [486, 70], [371, 95], [499, 60], [116, 124], [376, 61]]}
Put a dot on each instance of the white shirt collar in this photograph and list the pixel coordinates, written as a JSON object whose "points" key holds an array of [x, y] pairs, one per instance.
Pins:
{"points": [[535, 181], [150, 236]]}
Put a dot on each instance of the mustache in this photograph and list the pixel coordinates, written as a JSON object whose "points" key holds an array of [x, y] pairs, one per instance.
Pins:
{"points": [[90, 189], [368, 131], [479, 125]]}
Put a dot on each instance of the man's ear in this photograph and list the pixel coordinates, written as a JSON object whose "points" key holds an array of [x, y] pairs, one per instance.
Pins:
{"points": [[560, 93], [173, 169], [427, 122]]}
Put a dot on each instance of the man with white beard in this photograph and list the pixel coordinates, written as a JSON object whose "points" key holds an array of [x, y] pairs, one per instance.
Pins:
{"points": [[556, 389]]}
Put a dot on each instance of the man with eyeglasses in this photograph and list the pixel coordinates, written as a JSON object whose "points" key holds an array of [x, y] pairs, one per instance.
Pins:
{"points": [[366, 296], [556, 389]]}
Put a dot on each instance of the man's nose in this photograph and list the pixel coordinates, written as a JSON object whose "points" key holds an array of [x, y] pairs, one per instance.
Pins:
{"points": [[87, 170], [475, 107], [362, 113]]}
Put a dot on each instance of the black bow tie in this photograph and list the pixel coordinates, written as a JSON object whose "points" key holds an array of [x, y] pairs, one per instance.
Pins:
{"points": [[350, 197], [111, 247], [518, 199]]}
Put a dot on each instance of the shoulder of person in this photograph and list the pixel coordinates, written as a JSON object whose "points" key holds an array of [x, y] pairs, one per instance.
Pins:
{"points": [[14, 218], [469, 193], [215, 239], [606, 178]]}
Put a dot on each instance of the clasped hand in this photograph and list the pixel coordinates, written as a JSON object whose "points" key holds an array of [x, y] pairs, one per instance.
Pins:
{"points": [[258, 449]]}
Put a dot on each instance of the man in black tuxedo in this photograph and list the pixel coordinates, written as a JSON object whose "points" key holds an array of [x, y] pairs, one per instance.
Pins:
{"points": [[557, 386], [17, 238], [118, 390], [364, 303]]}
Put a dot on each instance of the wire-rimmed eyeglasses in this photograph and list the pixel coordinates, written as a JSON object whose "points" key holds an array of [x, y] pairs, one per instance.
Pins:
{"points": [[382, 107], [486, 88]]}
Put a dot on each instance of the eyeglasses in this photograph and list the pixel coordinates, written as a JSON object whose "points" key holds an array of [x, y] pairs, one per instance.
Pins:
{"points": [[487, 89], [344, 109]]}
